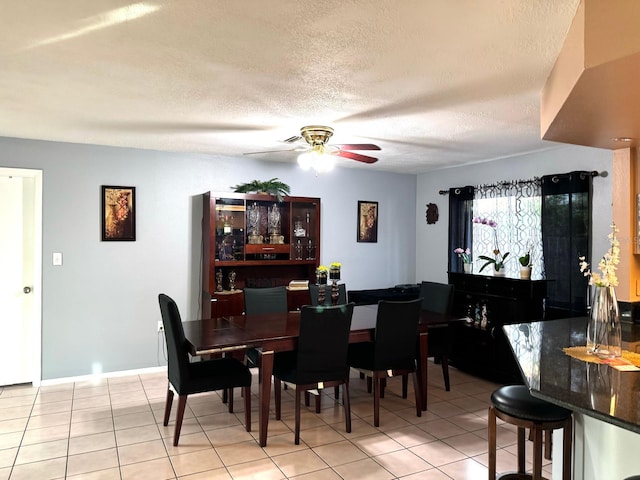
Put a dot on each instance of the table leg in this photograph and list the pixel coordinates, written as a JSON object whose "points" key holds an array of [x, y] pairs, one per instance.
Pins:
{"points": [[424, 354], [266, 371]]}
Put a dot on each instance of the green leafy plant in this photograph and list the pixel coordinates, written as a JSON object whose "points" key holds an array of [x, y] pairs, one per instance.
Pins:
{"points": [[525, 260], [272, 187]]}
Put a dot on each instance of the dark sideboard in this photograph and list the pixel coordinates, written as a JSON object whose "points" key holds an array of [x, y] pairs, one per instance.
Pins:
{"points": [[479, 345]]}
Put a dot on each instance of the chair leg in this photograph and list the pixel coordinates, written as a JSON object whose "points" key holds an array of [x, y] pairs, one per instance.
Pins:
{"points": [[318, 402], [277, 393], [182, 403], [362, 377], [167, 406], [369, 384], [383, 385], [336, 393], [376, 399], [405, 384], [418, 394], [307, 399], [445, 372], [225, 395], [297, 417], [247, 407], [347, 405], [230, 400]]}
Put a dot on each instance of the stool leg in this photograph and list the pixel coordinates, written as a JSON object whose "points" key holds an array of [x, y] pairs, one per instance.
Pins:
{"points": [[537, 452], [547, 444], [521, 451], [566, 450], [492, 443]]}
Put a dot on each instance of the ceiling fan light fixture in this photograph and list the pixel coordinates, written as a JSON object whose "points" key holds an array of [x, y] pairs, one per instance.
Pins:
{"points": [[316, 159]]}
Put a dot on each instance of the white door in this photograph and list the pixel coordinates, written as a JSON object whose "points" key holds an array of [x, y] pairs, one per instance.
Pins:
{"points": [[19, 280]]}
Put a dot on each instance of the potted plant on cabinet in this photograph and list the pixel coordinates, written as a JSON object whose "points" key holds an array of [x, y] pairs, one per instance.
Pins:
{"points": [[525, 265], [271, 187]]}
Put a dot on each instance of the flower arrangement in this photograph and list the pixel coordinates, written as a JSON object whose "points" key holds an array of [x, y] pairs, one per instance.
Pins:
{"points": [[465, 254], [321, 275], [607, 265], [334, 270], [499, 258]]}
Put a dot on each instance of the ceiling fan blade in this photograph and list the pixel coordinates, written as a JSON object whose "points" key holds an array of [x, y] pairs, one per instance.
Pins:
{"points": [[296, 149], [294, 139], [356, 146], [356, 156]]}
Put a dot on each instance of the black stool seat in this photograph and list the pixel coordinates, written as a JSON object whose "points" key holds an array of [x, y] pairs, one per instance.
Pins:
{"points": [[515, 400], [516, 406]]}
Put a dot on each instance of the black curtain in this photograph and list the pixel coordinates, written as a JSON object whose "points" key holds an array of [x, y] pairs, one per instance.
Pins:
{"points": [[566, 227], [460, 216]]}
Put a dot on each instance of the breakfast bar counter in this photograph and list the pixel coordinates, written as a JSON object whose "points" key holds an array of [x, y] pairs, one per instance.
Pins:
{"points": [[605, 400]]}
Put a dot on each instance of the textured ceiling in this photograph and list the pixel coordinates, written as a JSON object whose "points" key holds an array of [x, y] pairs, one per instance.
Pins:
{"points": [[433, 82]]}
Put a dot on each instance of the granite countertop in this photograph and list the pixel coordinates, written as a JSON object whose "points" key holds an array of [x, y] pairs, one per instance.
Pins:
{"points": [[597, 390]]}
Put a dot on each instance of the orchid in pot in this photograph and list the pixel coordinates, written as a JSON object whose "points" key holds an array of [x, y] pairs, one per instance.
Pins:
{"points": [[499, 258], [525, 265], [465, 255]]}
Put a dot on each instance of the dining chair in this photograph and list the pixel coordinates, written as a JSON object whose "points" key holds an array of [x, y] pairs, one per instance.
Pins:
{"points": [[187, 378], [260, 301], [320, 360], [438, 297], [393, 351], [342, 294]]}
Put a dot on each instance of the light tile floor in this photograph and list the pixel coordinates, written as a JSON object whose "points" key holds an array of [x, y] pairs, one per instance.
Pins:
{"points": [[112, 429]]}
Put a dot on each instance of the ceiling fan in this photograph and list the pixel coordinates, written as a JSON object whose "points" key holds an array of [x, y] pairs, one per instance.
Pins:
{"points": [[317, 153]]}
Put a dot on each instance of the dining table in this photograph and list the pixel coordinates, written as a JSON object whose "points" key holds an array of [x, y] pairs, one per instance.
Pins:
{"points": [[278, 332]]}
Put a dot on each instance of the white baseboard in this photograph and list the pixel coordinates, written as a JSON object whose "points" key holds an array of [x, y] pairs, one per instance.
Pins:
{"points": [[88, 378]]}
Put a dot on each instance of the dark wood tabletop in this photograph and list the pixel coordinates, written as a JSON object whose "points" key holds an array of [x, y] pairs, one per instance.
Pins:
{"points": [[279, 332]]}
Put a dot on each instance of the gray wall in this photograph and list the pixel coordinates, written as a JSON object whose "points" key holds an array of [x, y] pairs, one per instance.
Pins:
{"points": [[100, 310], [431, 240]]}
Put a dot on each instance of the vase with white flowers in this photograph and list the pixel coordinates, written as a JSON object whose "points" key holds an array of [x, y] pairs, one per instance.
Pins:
{"points": [[604, 337], [499, 258], [465, 255]]}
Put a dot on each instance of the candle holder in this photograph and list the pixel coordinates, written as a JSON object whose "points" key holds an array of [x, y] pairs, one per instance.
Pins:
{"points": [[334, 292], [321, 281]]}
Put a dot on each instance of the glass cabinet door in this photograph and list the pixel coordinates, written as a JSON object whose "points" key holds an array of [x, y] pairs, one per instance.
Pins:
{"points": [[230, 228], [304, 243]]}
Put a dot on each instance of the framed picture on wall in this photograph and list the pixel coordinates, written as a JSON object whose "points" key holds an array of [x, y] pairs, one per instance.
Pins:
{"points": [[367, 221], [118, 213]]}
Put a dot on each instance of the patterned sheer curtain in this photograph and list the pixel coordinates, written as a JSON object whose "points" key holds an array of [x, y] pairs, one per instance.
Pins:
{"points": [[516, 208]]}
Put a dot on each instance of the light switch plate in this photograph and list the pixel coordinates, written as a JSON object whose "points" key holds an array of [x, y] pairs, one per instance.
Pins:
{"points": [[57, 259]]}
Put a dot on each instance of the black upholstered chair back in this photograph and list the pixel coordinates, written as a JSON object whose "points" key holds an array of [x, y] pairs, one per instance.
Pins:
{"points": [[396, 333], [265, 300], [342, 294], [436, 297], [323, 343], [176, 343]]}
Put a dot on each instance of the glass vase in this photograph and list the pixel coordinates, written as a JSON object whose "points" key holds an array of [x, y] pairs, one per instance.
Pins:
{"points": [[604, 337]]}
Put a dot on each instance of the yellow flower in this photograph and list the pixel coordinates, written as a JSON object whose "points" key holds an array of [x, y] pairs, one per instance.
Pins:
{"points": [[322, 268], [607, 265], [336, 265]]}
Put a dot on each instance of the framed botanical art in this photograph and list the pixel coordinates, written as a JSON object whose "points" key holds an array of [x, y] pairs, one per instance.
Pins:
{"points": [[367, 221], [118, 213]]}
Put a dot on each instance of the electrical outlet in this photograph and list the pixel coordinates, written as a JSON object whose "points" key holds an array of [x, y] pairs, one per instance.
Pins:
{"points": [[160, 326]]}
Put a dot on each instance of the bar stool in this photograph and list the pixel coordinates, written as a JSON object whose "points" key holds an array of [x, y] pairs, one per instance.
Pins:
{"points": [[514, 405]]}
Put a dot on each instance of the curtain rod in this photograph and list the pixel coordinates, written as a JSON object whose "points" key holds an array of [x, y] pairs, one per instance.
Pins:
{"points": [[504, 183]]}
